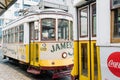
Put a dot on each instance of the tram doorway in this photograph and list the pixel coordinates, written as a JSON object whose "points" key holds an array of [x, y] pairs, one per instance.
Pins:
{"points": [[88, 59], [33, 46]]}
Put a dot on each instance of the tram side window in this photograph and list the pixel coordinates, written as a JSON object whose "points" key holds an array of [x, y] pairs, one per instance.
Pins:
{"points": [[84, 22], [94, 20], [21, 33], [48, 29], [12, 35], [71, 30], [16, 34], [115, 29], [9, 33], [4, 36], [36, 30], [63, 31]]}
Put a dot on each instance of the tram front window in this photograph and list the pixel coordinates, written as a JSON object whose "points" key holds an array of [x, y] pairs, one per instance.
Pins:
{"points": [[63, 31], [48, 29]]}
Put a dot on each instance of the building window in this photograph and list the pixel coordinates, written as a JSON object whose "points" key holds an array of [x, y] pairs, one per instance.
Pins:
{"points": [[36, 0], [48, 29], [17, 5], [1, 22], [16, 13], [26, 6], [115, 21], [83, 14]]}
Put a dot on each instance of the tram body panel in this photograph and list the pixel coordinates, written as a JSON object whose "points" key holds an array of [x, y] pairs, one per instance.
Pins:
{"points": [[17, 51], [51, 54]]}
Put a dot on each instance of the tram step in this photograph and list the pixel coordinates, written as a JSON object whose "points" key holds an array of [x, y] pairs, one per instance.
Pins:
{"points": [[33, 70]]}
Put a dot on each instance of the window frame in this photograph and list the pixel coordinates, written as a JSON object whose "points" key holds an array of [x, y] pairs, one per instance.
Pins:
{"points": [[79, 19], [93, 33], [112, 13], [21, 31]]}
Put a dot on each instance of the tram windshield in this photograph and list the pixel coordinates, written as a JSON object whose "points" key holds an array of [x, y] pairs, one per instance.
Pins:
{"points": [[61, 31], [48, 29]]}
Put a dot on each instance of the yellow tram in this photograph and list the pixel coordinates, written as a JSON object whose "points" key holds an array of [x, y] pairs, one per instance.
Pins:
{"points": [[42, 39], [86, 52], [97, 42]]}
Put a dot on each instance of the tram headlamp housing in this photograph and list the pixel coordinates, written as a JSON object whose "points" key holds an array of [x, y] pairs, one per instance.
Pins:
{"points": [[64, 55]]}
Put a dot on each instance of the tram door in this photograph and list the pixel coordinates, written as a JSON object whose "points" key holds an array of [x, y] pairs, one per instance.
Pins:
{"points": [[88, 51], [33, 46]]}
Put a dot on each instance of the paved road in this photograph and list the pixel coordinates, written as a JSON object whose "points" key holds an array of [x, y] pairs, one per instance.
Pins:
{"points": [[12, 71]]}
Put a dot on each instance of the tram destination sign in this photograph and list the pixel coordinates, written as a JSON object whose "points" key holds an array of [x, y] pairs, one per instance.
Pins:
{"points": [[115, 4]]}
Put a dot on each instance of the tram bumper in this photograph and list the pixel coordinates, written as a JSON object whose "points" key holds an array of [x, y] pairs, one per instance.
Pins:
{"points": [[61, 74]]}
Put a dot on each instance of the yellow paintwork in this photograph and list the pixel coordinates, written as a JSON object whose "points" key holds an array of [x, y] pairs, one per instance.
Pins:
{"points": [[74, 71], [77, 67], [82, 77], [34, 54], [27, 53], [98, 60], [61, 62]]}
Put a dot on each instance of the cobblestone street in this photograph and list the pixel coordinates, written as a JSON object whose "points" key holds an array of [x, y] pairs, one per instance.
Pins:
{"points": [[12, 71]]}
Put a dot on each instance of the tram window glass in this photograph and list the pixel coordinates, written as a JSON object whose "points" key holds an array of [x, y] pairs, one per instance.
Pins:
{"points": [[94, 20], [36, 34], [9, 38], [36, 30], [115, 29], [95, 62], [16, 34], [6, 33], [84, 61], [21, 33], [48, 29], [12, 35], [4, 37], [71, 30], [31, 30], [84, 22], [63, 31]]}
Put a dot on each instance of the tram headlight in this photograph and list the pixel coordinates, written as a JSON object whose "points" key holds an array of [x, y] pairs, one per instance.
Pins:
{"points": [[64, 55]]}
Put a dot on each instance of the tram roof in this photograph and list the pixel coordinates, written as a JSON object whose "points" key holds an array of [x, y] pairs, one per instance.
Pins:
{"points": [[5, 4], [41, 12]]}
